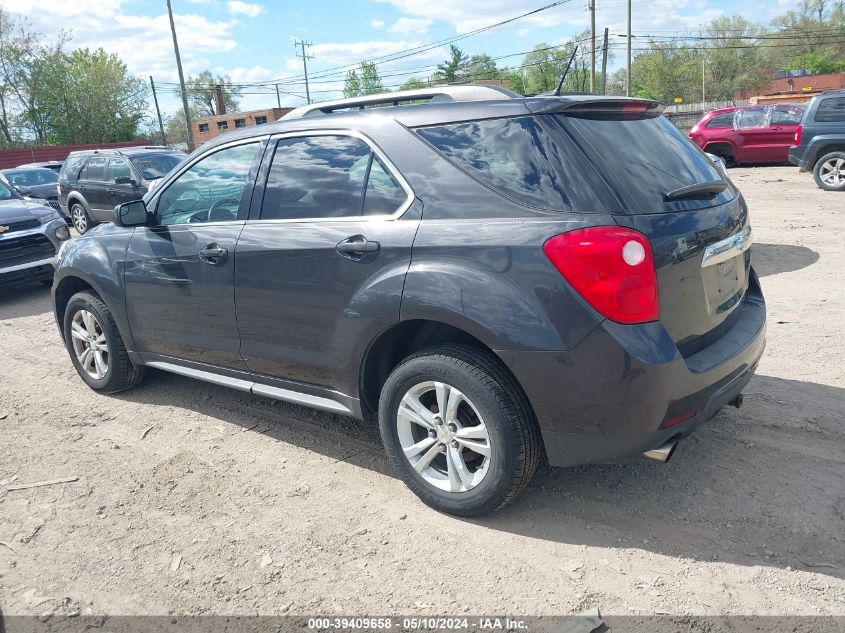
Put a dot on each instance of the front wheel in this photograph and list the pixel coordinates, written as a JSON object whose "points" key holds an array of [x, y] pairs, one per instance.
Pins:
{"points": [[96, 347], [459, 430], [829, 172]]}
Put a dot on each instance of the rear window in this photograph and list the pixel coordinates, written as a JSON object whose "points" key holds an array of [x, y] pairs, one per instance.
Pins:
{"points": [[517, 158], [831, 110], [70, 168], [648, 158]]}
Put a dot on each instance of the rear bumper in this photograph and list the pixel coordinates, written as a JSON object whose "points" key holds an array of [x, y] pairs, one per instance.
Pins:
{"points": [[610, 397], [796, 153]]}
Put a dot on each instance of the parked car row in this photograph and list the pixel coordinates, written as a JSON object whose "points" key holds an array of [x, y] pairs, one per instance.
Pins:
{"points": [[811, 136]]}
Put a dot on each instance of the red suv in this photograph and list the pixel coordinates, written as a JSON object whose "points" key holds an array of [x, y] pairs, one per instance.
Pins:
{"points": [[749, 134]]}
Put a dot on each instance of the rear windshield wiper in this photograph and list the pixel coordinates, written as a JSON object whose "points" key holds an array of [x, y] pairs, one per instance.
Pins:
{"points": [[708, 189]]}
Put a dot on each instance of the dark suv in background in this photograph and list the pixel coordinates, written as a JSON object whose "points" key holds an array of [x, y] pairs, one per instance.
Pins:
{"points": [[92, 182], [820, 141], [493, 277]]}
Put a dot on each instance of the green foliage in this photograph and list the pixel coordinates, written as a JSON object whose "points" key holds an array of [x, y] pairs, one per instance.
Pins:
{"points": [[201, 93], [413, 84], [368, 82], [351, 85], [453, 68], [823, 60]]}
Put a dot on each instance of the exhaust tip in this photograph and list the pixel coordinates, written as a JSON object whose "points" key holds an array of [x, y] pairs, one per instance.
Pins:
{"points": [[737, 401], [662, 453]]}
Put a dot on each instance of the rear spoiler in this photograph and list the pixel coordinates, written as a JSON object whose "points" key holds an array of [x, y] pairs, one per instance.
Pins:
{"points": [[596, 107]]}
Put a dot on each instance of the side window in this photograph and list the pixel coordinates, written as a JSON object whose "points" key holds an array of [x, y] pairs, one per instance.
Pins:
{"points": [[383, 195], [118, 168], [751, 118], [95, 169], [831, 110], [786, 115], [316, 177], [725, 119], [210, 191]]}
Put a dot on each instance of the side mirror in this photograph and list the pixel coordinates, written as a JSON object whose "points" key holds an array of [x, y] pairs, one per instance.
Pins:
{"points": [[24, 191], [124, 180], [131, 214]]}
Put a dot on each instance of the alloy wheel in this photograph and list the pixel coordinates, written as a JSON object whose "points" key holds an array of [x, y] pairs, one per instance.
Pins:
{"points": [[443, 436], [832, 172], [89, 344], [79, 219]]}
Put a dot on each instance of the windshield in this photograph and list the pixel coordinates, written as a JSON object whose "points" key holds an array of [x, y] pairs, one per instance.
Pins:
{"points": [[31, 177], [155, 166]]}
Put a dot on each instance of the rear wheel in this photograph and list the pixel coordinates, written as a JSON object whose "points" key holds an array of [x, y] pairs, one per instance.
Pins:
{"points": [[96, 347], [80, 218], [725, 153], [829, 172], [459, 430]]}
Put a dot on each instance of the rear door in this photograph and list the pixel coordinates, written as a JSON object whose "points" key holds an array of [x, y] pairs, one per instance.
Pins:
{"points": [[699, 242], [92, 186], [783, 122], [321, 263]]}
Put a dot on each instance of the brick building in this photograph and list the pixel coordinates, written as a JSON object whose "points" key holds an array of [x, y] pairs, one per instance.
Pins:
{"points": [[207, 128], [794, 88]]}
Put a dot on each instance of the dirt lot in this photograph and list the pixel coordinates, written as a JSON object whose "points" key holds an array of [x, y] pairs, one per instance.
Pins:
{"points": [[236, 505]]}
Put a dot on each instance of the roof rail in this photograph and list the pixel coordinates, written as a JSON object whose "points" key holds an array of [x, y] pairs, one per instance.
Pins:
{"points": [[435, 94]]}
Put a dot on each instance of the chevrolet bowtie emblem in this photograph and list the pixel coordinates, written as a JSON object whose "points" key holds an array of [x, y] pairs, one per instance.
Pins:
{"points": [[3, 229]]}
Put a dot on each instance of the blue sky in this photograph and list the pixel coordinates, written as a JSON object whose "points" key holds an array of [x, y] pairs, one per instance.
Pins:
{"points": [[253, 41]]}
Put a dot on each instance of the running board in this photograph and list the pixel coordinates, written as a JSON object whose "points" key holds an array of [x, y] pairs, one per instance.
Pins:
{"points": [[256, 388]]}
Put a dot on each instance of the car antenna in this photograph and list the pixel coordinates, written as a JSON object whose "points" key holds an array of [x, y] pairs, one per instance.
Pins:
{"points": [[565, 72]]}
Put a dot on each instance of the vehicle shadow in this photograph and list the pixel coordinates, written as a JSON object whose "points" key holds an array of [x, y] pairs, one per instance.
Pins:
{"points": [[24, 301], [742, 490], [773, 259]]}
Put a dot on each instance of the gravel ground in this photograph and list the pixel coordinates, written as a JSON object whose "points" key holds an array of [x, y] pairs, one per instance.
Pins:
{"points": [[196, 499]]}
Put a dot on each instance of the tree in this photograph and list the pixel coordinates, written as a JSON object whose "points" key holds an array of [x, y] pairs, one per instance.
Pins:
{"points": [[370, 79], [176, 129], [413, 84], [545, 65], [479, 67], [368, 82], [351, 85], [201, 93], [451, 70]]}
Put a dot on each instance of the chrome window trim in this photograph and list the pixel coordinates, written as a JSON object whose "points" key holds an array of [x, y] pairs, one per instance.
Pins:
{"points": [[391, 168], [727, 248]]}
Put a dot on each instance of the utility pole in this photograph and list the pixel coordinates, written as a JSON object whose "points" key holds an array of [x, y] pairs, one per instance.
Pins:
{"points": [[305, 59], [278, 98], [628, 74], [702, 77], [181, 78], [592, 45], [158, 112], [604, 63]]}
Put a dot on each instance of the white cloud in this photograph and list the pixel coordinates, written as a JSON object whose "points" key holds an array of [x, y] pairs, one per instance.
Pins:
{"points": [[523, 32], [237, 7], [407, 26], [377, 24]]}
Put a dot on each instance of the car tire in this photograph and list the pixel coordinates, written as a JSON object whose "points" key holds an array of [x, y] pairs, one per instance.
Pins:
{"points": [[79, 218], [89, 325], [491, 414], [829, 172]]}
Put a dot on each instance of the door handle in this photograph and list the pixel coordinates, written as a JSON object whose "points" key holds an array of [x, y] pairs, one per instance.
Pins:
{"points": [[777, 129], [213, 254], [111, 189], [356, 245]]}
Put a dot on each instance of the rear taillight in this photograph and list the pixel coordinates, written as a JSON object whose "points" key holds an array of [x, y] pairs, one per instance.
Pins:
{"points": [[798, 135], [612, 268]]}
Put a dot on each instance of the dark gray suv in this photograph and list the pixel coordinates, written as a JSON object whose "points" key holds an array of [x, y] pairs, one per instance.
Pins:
{"points": [[497, 279]]}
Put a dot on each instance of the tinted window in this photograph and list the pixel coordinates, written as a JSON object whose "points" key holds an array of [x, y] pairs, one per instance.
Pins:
{"points": [[516, 157], [786, 115], [31, 177], [210, 191], [648, 157], [155, 166], [70, 168], [751, 117], [95, 169], [118, 168], [383, 195], [726, 119], [316, 177], [831, 110]]}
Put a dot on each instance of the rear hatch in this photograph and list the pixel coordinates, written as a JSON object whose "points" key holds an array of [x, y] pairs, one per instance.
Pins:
{"points": [[667, 189]]}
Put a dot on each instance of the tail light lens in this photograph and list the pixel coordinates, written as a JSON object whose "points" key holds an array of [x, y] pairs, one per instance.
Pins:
{"points": [[798, 134], [612, 268]]}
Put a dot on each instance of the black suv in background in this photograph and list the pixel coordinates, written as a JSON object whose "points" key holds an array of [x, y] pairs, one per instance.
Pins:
{"points": [[493, 277], [820, 141], [93, 182]]}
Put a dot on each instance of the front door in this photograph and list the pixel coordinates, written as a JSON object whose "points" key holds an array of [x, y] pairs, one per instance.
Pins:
{"points": [[179, 274], [752, 128], [320, 272], [121, 183]]}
